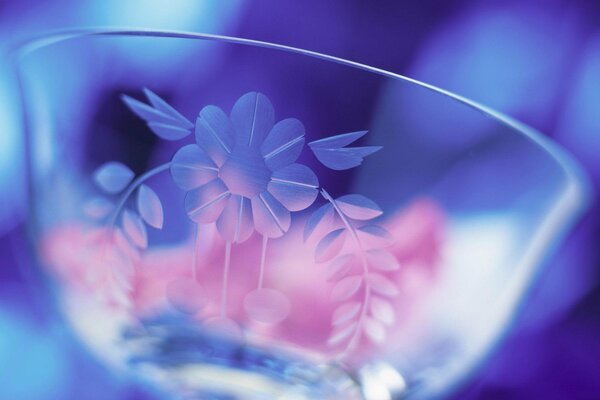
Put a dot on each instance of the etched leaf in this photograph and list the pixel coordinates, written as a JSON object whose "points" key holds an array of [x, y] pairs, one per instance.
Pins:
{"points": [[135, 229], [382, 260], [374, 236], [358, 207], [98, 208], [162, 119], [146, 112], [125, 247], [337, 141], [113, 176], [342, 159], [341, 333], [382, 285], [150, 207], [168, 132], [340, 267], [120, 260], [345, 312], [120, 267], [332, 152], [324, 217], [330, 245], [166, 108], [374, 330], [382, 310], [346, 288]]}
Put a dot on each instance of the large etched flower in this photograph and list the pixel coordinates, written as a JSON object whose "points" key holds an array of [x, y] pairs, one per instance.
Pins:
{"points": [[241, 173]]}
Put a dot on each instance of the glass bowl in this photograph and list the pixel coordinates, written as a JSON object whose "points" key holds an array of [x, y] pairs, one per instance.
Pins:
{"points": [[230, 218]]}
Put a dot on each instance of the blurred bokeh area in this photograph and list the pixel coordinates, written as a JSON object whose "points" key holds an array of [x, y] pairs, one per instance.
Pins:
{"points": [[536, 61]]}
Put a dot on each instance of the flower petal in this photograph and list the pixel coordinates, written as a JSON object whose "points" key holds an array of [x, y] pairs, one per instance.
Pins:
{"points": [[252, 117], [191, 167], [214, 133], [295, 186], [284, 143], [271, 218], [205, 204], [235, 223]]}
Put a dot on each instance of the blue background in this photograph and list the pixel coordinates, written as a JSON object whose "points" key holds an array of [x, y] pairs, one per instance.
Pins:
{"points": [[538, 61]]}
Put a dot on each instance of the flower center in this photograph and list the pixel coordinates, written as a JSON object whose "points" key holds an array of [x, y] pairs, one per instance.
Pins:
{"points": [[245, 172]]}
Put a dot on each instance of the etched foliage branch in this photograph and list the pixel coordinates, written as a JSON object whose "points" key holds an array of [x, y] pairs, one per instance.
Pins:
{"points": [[357, 269]]}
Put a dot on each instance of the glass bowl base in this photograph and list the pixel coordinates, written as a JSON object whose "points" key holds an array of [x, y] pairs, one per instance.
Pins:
{"points": [[198, 365]]}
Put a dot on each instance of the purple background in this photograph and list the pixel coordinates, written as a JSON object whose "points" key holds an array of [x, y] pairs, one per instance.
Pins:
{"points": [[538, 62]]}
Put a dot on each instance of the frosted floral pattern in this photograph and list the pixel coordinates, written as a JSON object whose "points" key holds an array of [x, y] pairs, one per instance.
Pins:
{"points": [[241, 176], [241, 172]]}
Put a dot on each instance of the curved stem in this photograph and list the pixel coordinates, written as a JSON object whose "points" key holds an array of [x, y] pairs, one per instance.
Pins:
{"points": [[195, 254], [225, 279], [261, 275], [363, 312], [365, 271], [134, 185], [351, 229]]}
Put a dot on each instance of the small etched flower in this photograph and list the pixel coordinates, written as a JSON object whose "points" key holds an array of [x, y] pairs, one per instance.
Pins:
{"points": [[241, 173]]}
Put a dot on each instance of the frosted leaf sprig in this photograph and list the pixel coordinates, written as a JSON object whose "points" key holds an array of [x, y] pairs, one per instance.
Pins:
{"points": [[358, 270], [116, 178], [166, 122], [334, 153], [124, 238], [358, 274]]}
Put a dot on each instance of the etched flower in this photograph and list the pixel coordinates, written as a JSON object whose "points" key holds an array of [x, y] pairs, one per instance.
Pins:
{"points": [[241, 173]]}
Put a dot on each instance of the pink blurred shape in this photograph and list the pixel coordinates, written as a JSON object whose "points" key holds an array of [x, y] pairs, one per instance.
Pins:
{"points": [[294, 306]]}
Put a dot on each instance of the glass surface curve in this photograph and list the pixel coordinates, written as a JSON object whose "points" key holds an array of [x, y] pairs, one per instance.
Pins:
{"points": [[229, 217]]}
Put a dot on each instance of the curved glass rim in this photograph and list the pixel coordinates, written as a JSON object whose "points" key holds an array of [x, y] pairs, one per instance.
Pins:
{"points": [[571, 168], [564, 213]]}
